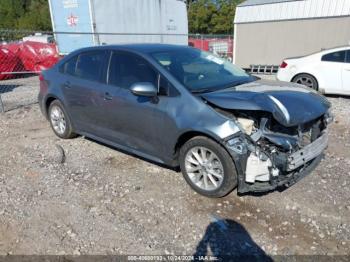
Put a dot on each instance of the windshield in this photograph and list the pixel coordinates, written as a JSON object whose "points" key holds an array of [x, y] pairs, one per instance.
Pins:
{"points": [[200, 71]]}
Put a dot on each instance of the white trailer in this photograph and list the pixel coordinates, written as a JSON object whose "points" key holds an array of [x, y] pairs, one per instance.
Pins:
{"points": [[82, 23]]}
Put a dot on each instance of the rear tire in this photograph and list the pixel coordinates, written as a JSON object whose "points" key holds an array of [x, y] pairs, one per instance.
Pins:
{"points": [[207, 167], [306, 80], [59, 120]]}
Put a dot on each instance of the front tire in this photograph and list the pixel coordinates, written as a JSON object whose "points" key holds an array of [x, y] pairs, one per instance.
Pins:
{"points": [[306, 80], [207, 167], [59, 120]]}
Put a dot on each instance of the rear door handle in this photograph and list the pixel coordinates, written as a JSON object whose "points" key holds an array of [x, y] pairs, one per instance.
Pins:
{"points": [[67, 84], [108, 96]]}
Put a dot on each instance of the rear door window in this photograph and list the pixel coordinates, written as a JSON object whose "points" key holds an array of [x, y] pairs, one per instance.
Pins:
{"points": [[90, 65], [126, 69], [335, 57]]}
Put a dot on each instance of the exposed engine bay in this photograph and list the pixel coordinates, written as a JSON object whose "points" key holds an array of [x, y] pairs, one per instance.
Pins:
{"points": [[272, 155]]}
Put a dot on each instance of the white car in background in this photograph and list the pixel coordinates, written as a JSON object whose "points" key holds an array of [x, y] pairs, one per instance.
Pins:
{"points": [[327, 71]]}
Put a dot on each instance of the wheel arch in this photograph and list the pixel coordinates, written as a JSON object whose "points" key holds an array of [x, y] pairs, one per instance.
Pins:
{"points": [[226, 158], [188, 135], [48, 100]]}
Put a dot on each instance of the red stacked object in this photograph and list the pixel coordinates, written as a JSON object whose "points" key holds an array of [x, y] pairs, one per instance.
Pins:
{"points": [[9, 62], [27, 56]]}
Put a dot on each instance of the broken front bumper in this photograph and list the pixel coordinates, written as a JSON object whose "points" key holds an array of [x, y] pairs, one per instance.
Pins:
{"points": [[298, 165], [282, 180], [308, 153]]}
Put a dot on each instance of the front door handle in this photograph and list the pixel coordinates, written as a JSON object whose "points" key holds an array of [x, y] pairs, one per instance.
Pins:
{"points": [[108, 96]]}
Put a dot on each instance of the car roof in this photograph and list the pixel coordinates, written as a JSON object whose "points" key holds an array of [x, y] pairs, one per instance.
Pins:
{"points": [[321, 52], [141, 48], [334, 49]]}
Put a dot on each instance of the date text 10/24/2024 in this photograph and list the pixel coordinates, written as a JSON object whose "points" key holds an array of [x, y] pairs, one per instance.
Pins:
{"points": [[172, 258]]}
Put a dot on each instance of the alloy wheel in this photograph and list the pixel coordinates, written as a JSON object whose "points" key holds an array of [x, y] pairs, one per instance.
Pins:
{"points": [[58, 120], [306, 81], [204, 168]]}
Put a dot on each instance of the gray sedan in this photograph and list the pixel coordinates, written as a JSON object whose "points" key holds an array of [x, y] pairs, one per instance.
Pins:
{"points": [[179, 106]]}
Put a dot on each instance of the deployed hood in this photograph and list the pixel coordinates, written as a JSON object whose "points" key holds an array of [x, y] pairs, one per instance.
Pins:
{"points": [[290, 104]]}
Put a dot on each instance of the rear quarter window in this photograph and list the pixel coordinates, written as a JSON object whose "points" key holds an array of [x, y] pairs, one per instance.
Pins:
{"points": [[335, 57]]}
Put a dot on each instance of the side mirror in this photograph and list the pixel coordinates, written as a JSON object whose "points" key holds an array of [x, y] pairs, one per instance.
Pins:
{"points": [[144, 89]]}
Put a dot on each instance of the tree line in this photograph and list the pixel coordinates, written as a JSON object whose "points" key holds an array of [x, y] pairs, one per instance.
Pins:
{"points": [[211, 16], [25, 14], [204, 16]]}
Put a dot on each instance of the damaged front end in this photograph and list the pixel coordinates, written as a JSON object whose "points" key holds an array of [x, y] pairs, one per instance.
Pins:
{"points": [[269, 155], [283, 132]]}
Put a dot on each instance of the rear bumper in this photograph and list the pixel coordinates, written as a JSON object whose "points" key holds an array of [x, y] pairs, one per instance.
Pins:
{"points": [[42, 105], [284, 75]]}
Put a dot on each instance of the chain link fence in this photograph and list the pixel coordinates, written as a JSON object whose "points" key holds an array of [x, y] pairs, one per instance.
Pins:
{"points": [[24, 54], [22, 57], [221, 45]]}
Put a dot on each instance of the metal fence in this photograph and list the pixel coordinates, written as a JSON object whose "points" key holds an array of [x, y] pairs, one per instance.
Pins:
{"points": [[24, 54]]}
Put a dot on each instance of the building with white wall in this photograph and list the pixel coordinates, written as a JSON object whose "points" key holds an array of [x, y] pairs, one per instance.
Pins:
{"points": [[267, 31]]}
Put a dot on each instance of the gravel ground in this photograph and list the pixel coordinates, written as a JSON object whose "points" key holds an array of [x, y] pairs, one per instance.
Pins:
{"points": [[19, 92], [102, 201]]}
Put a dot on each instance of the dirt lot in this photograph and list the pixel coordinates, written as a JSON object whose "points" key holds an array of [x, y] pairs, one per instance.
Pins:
{"points": [[102, 201]]}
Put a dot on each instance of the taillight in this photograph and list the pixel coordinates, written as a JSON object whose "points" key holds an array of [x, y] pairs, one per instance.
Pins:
{"points": [[43, 83], [41, 77], [283, 65]]}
